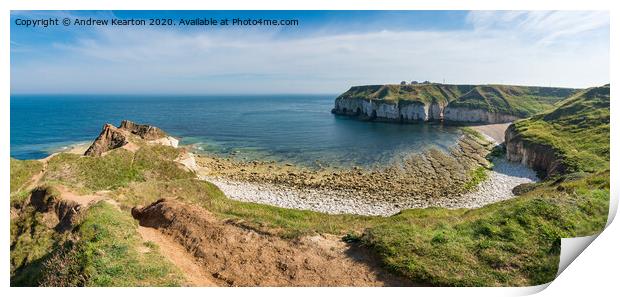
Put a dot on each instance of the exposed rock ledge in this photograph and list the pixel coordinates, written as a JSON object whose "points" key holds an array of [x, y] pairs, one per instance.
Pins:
{"points": [[126, 135], [540, 157], [416, 111]]}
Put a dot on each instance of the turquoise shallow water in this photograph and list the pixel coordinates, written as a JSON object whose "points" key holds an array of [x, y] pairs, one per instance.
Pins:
{"points": [[288, 128]]}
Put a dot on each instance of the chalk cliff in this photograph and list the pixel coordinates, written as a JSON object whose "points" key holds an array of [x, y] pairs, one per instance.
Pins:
{"points": [[574, 137], [440, 102], [538, 156]]}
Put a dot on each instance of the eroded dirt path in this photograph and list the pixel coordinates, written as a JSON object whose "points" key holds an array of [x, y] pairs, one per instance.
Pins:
{"points": [[195, 274], [238, 256], [83, 200]]}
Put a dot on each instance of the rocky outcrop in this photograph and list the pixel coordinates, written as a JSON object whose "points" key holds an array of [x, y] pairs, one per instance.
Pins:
{"points": [[112, 137], [538, 156], [109, 139], [146, 132], [415, 111]]}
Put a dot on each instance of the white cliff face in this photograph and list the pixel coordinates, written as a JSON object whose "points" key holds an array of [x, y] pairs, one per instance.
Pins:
{"points": [[417, 111], [385, 110], [414, 112], [459, 114], [437, 110]]}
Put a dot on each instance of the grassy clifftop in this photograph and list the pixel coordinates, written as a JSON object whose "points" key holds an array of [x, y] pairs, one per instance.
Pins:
{"points": [[577, 130], [425, 93], [520, 101], [514, 100], [514, 242]]}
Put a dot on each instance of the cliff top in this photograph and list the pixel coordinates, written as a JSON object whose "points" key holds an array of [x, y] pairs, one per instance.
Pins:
{"points": [[520, 101], [578, 129]]}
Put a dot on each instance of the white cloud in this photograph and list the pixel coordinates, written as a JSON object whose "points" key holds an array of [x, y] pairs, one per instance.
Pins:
{"points": [[533, 48], [543, 26]]}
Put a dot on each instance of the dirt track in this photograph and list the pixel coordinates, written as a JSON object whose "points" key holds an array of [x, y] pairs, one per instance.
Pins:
{"points": [[237, 256]]}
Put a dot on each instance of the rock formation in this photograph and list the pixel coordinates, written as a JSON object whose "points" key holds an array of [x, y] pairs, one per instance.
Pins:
{"points": [[146, 132], [112, 137], [537, 156], [109, 139]]}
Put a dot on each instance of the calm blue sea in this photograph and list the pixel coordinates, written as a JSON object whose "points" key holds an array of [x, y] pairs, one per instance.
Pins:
{"points": [[286, 128]]}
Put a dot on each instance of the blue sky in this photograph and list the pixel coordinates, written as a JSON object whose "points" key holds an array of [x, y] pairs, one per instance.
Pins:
{"points": [[326, 53]]}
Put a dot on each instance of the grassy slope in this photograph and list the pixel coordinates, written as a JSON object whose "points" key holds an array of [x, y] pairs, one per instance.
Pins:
{"points": [[514, 242], [116, 169], [508, 243], [110, 252], [578, 129], [515, 100], [22, 172], [106, 250]]}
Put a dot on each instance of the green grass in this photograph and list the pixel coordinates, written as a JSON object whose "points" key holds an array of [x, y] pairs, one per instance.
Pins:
{"points": [[284, 222], [514, 100], [507, 243], [116, 169], [514, 242], [22, 171], [425, 93], [109, 254], [104, 250], [476, 176], [31, 242], [577, 130]]}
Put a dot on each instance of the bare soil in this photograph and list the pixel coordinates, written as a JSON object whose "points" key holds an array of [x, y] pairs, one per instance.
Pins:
{"points": [[195, 274], [234, 255]]}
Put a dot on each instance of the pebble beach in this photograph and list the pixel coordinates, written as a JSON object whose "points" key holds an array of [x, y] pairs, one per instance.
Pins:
{"points": [[498, 185]]}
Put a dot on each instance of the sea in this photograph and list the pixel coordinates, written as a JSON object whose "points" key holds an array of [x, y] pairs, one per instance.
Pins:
{"points": [[296, 129]]}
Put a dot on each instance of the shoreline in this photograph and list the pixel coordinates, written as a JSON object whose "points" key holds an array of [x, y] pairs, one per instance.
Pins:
{"points": [[362, 191], [496, 187], [249, 184]]}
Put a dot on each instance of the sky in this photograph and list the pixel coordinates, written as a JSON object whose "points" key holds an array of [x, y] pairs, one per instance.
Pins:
{"points": [[326, 53]]}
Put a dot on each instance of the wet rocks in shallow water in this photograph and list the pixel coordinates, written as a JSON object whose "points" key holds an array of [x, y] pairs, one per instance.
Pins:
{"points": [[435, 178]]}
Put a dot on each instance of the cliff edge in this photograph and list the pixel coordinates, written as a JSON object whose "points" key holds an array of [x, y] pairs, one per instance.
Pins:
{"points": [[442, 102], [574, 137]]}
